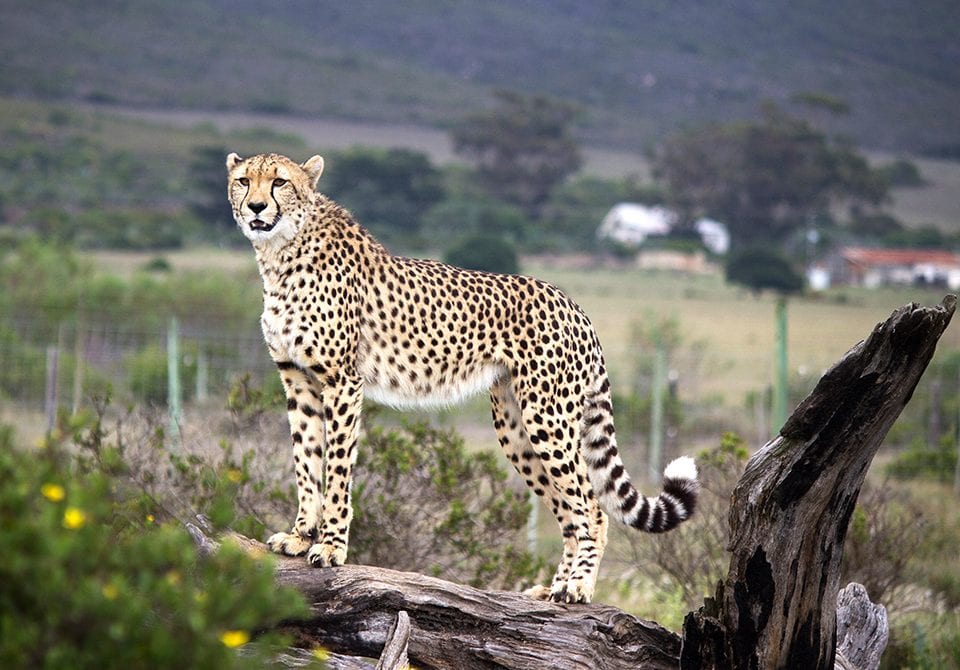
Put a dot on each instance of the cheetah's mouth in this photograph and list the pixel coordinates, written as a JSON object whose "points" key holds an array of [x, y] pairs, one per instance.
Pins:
{"points": [[261, 225]]}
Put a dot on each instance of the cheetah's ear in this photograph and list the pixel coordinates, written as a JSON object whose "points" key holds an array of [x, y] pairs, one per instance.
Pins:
{"points": [[233, 160], [314, 168]]}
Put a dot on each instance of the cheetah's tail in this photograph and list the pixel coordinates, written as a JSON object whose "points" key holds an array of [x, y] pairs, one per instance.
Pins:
{"points": [[611, 483]]}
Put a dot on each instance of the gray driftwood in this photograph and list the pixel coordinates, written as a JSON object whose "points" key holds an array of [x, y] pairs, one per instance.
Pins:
{"points": [[778, 605]]}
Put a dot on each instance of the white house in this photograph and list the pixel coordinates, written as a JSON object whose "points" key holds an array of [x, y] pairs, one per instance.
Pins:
{"points": [[631, 223]]}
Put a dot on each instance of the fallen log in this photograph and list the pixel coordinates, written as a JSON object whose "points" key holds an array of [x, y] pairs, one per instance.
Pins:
{"points": [[777, 607]]}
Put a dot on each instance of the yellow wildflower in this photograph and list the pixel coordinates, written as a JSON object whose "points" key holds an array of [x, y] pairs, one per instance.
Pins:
{"points": [[234, 475], [109, 591], [234, 638], [321, 654], [53, 492], [74, 518]]}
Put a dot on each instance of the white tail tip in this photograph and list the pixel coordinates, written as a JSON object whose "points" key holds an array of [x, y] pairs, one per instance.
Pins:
{"points": [[681, 468]]}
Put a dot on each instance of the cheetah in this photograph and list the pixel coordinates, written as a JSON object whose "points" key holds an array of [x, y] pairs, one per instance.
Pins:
{"points": [[343, 319]]}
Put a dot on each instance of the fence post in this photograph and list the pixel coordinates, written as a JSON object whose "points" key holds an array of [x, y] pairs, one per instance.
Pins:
{"points": [[78, 367], [203, 373], [658, 395], [781, 384], [174, 396], [51, 399]]}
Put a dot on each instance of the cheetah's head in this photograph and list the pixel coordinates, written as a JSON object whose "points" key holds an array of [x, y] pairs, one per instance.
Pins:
{"points": [[271, 195]]}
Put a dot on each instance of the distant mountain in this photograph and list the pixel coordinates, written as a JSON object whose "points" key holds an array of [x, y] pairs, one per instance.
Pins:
{"points": [[639, 69]]}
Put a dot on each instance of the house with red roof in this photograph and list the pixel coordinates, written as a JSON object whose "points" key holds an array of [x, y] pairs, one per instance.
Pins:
{"points": [[861, 266]]}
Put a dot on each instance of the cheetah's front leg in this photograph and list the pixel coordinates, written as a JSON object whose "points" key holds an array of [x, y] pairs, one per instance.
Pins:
{"points": [[342, 401], [304, 411]]}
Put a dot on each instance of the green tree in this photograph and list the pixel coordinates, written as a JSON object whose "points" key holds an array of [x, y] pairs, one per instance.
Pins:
{"points": [[760, 269], [207, 187], [483, 252], [767, 179], [388, 190], [523, 147]]}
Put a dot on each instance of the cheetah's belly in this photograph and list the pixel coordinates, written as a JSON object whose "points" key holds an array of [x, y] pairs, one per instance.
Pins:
{"points": [[408, 386]]}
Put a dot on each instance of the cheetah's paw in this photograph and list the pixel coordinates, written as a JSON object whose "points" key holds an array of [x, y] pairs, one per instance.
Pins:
{"points": [[326, 556], [289, 544], [538, 592], [571, 591]]}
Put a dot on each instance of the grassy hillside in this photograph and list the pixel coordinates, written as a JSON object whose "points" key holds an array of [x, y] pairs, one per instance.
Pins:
{"points": [[639, 69]]}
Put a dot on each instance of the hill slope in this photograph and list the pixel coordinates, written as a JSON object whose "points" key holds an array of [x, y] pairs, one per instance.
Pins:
{"points": [[639, 69]]}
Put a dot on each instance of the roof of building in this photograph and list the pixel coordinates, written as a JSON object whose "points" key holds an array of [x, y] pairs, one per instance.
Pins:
{"points": [[874, 257]]}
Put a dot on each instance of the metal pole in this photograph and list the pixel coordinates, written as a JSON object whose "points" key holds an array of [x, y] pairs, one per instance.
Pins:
{"points": [[173, 378], [50, 397], [780, 387], [78, 367], [658, 396], [203, 371]]}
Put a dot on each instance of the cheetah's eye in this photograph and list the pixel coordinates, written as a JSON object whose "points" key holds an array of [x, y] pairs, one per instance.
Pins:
{"points": [[244, 181], [277, 183]]}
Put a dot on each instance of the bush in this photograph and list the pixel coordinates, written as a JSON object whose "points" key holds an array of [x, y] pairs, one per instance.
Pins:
{"points": [[923, 461], [89, 578], [422, 503], [149, 381], [693, 557], [761, 269], [482, 252], [471, 217]]}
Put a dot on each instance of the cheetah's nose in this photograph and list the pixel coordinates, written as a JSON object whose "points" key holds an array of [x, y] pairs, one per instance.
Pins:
{"points": [[257, 207]]}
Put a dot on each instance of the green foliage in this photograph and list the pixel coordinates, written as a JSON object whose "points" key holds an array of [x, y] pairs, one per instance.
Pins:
{"points": [[886, 537], [924, 641], [49, 292], [821, 100], [462, 217], [902, 173], [766, 180], [423, 503], [206, 176], [761, 269], [483, 252], [388, 191], [690, 559], [523, 148], [936, 462], [89, 578], [577, 206], [149, 374]]}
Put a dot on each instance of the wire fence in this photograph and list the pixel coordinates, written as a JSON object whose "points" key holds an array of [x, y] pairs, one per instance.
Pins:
{"points": [[169, 365], [194, 362]]}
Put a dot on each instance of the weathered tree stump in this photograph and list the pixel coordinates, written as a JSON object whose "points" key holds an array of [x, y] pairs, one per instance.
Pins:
{"points": [[777, 607], [790, 510]]}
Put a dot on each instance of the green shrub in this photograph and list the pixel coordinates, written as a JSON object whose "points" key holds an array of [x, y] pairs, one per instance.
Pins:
{"points": [[423, 503], [148, 369], [482, 252], [924, 461], [89, 577]]}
